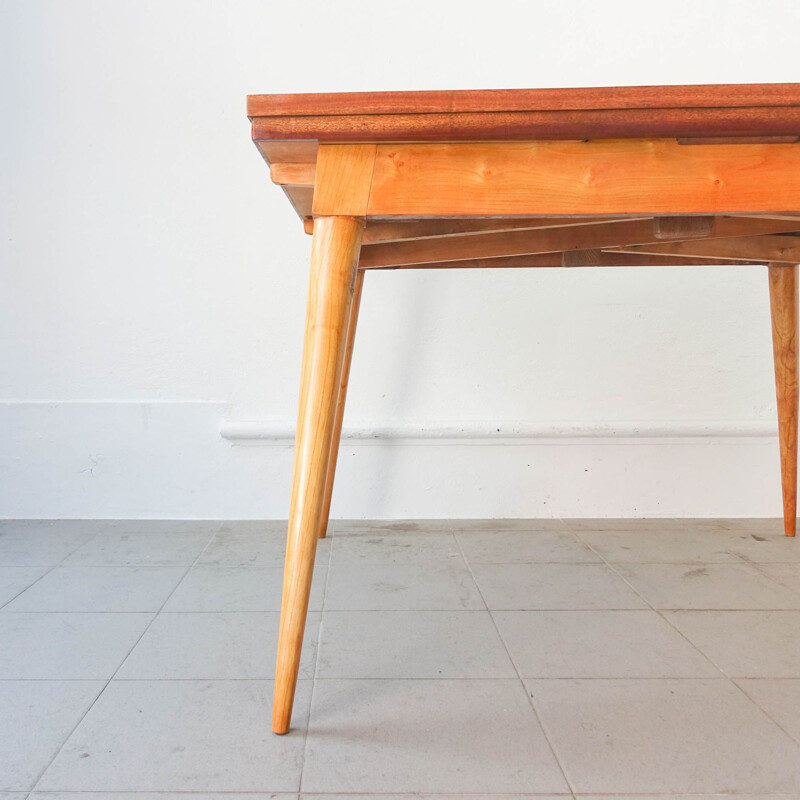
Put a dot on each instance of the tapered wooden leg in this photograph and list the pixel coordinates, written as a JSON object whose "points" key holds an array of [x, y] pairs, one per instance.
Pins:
{"points": [[334, 256], [337, 427], [783, 305]]}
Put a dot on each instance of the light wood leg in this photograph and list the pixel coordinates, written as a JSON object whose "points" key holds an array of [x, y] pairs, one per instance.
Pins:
{"points": [[337, 427], [783, 305], [334, 256]]}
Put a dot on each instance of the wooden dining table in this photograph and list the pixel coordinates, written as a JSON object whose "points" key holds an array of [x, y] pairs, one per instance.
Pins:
{"points": [[627, 176]]}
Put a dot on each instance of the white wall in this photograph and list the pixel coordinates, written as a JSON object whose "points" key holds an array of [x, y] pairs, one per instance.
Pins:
{"points": [[153, 281]]}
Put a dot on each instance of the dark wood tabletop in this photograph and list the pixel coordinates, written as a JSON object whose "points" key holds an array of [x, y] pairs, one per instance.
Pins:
{"points": [[735, 110]]}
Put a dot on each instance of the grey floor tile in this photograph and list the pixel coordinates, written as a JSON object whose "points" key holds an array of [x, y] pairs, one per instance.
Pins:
{"points": [[703, 796], [509, 524], [66, 646], [787, 575], [37, 717], [187, 736], [215, 646], [34, 546], [255, 526], [213, 588], [411, 644], [63, 527], [757, 525], [734, 586], [14, 580], [553, 586], [236, 548], [139, 549], [390, 526], [682, 546], [100, 589], [745, 644], [434, 585], [662, 736], [207, 527], [417, 796], [410, 666], [519, 547], [765, 547], [67, 526], [598, 644], [779, 697], [160, 796], [394, 548], [121, 526], [426, 736]]}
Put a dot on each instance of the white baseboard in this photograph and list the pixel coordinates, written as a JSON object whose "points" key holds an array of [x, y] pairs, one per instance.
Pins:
{"points": [[260, 432], [168, 460]]}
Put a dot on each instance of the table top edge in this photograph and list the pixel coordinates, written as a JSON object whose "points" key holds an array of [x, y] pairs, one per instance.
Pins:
{"points": [[465, 101]]}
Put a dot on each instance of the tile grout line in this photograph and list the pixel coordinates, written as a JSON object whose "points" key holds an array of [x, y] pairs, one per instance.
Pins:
{"points": [[735, 682], [108, 682], [316, 657], [528, 697], [47, 572], [730, 679], [290, 795], [613, 566], [758, 566], [622, 577]]}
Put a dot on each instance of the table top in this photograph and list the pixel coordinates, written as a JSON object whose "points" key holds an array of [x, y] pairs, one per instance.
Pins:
{"points": [[734, 110], [288, 129]]}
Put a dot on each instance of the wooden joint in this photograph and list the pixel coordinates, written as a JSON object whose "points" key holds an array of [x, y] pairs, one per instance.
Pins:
{"points": [[343, 179]]}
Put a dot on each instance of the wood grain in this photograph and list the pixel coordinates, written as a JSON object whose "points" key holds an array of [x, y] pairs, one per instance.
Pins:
{"points": [[505, 243], [334, 256], [342, 179], [292, 174], [678, 227], [692, 140], [398, 231], [301, 198], [294, 151], [564, 99], [761, 249], [572, 258], [514, 114], [352, 324], [783, 307], [599, 177], [403, 230], [523, 126], [577, 237]]}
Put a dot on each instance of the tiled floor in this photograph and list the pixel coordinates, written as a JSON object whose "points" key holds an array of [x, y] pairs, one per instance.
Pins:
{"points": [[599, 660]]}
